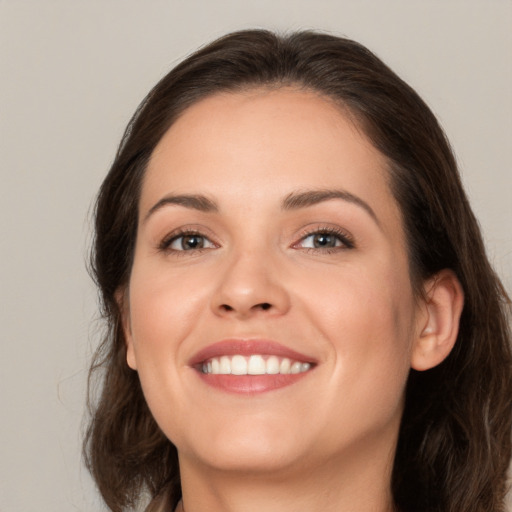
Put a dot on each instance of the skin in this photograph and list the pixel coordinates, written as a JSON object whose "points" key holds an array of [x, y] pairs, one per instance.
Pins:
{"points": [[325, 443]]}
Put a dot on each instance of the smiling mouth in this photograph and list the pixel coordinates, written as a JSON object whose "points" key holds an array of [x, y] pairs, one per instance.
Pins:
{"points": [[250, 366], [255, 364]]}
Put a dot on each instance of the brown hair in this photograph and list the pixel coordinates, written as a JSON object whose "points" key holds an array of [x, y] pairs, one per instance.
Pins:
{"points": [[455, 439]]}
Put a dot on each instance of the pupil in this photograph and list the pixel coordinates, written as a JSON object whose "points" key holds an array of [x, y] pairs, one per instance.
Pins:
{"points": [[324, 240], [192, 242]]}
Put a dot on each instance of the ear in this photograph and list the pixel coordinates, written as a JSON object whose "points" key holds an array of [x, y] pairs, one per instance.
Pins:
{"points": [[439, 320], [121, 296]]}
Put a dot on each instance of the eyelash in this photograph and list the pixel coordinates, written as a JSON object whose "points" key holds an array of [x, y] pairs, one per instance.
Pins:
{"points": [[165, 244], [345, 239]]}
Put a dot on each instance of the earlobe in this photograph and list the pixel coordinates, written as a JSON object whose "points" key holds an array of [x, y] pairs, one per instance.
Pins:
{"points": [[439, 322], [121, 296]]}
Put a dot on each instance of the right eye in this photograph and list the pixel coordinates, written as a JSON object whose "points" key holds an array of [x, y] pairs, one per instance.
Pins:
{"points": [[187, 242]]}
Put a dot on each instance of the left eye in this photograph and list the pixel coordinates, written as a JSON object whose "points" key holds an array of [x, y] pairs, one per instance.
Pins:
{"points": [[322, 240], [190, 242]]}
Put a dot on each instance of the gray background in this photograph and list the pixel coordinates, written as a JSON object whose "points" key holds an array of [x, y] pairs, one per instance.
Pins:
{"points": [[72, 73]]}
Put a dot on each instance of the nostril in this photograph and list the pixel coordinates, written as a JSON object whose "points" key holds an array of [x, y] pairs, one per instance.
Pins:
{"points": [[263, 306]]}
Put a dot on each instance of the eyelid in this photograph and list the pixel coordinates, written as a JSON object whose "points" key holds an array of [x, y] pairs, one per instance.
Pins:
{"points": [[167, 240], [344, 236]]}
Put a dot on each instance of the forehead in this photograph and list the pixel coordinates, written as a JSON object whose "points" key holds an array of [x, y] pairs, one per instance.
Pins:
{"points": [[260, 144], [285, 121]]}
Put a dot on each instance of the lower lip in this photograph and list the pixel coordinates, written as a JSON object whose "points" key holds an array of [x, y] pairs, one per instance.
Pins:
{"points": [[251, 384]]}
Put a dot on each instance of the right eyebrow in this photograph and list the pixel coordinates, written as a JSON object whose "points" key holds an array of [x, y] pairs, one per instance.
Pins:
{"points": [[194, 202]]}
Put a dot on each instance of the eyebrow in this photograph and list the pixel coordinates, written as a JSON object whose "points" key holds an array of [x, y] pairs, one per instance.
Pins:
{"points": [[307, 198], [293, 201], [192, 201]]}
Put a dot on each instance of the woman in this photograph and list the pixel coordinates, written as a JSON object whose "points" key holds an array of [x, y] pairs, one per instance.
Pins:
{"points": [[301, 314]]}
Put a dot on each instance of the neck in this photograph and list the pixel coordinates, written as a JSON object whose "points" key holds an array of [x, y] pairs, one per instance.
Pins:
{"points": [[361, 486]]}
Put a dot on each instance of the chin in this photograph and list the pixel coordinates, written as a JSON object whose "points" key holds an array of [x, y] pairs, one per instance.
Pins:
{"points": [[249, 448], [254, 462]]}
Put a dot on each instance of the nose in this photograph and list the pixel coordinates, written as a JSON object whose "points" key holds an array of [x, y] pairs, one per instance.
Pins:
{"points": [[250, 285]]}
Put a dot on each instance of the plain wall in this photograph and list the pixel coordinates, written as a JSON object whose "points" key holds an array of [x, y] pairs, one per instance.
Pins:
{"points": [[71, 75]]}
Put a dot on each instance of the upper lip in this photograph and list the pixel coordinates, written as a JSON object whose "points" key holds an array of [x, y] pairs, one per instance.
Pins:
{"points": [[247, 347]]}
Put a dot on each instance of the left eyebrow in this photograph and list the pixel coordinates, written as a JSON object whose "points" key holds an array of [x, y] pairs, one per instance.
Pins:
{"points": [[297, 200]]}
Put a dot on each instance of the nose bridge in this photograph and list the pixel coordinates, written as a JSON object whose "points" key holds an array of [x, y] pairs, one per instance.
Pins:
{"points": [[250, 283]]}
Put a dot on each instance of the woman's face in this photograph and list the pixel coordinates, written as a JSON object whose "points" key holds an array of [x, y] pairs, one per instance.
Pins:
{"points": [[269, 312]]}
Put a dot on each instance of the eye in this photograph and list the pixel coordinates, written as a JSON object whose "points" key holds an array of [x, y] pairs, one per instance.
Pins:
{"points": [[187, 242], [325, 239]]}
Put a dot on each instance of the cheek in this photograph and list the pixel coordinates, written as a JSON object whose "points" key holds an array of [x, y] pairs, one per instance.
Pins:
{"points": [[368, 303], [367, 320], [161, 303], [164, 310]]}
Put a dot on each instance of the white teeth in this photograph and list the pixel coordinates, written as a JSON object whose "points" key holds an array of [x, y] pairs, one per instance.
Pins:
{"points": [[254, 365], [285, 365], [272, 365], [296, 367], [225, 365], [238, 365]]}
